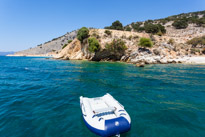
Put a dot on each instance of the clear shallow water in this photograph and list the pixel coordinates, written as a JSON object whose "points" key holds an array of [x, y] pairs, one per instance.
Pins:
{"points": [[40, 98]]}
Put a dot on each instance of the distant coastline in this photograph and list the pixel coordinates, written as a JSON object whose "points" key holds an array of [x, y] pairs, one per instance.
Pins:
{"points": [[6, 53], [14, 55]]}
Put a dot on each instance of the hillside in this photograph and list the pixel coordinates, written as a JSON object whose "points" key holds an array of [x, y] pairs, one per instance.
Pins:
{"points": [[51, 47], [161, 52], [170, 37]]}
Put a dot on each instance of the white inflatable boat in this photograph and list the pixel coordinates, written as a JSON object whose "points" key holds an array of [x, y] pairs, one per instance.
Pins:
{"points": [[105, 116]]}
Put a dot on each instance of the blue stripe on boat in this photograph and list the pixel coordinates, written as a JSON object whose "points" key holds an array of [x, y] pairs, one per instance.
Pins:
{"points": [[122, 114], [111, 128], [120, 110]]}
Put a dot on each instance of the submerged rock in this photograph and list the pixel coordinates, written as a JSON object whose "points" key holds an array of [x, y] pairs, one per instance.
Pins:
{"points": [[140, 64]]}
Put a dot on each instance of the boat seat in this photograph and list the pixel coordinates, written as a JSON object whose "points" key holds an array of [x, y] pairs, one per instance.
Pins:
{"points": [[108, 109]]}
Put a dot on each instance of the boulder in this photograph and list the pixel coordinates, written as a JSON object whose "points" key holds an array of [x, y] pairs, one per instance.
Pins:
{"points": [[124, 58], [140, 64], [163, 61], [134, 54], [157, 51], [169, 46]]}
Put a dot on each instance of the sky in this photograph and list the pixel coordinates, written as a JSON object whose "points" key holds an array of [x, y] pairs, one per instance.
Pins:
{"points": [[27, 23]]}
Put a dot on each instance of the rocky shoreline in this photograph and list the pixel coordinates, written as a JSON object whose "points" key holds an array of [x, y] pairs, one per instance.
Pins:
{"points": [[141, 61], [163, 52]]}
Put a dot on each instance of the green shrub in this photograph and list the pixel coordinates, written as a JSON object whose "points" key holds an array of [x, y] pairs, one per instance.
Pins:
{"points": [[83, 33], [154, 28], [193, 50], [117, 45], [94, 45], [128, 28], [171, 41], [197, 41], [200, 22], [136, 37], [149, 21], [159, 33], [189, 17], [117, 25], [140, 29], [145, 42], [163, 21], [69, 41], [108, 32], [136, 26], [192, 19], [96, 35], [180, 24], [130, 37], [64, 46], [161, 28]]}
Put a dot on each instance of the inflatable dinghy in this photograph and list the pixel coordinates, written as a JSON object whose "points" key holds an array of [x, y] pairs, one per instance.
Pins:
{"points": [[105, 116]]}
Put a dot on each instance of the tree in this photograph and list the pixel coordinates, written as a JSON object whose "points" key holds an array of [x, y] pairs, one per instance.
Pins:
{"points": [[151, 28], [154, 28], [161, 28], [82, 34], [117, 45], [180, 24], [145, 42], [94, 45], [117, 25]]}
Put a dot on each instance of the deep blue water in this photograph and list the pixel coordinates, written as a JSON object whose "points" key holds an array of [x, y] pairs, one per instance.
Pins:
{"points": [[40, 97]]}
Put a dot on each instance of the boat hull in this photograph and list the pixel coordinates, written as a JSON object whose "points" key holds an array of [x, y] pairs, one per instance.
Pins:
{"points": [[110, 127], [104, 115]]}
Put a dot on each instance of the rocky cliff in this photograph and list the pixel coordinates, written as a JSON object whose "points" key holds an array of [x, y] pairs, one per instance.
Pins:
{"points": [[161, 52]]}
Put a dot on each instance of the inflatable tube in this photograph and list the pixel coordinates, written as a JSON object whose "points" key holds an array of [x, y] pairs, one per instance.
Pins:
{"points": [[105, 116]]}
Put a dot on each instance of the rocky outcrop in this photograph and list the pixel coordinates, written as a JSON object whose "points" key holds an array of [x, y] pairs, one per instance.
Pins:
{"points": [[75, 51]]}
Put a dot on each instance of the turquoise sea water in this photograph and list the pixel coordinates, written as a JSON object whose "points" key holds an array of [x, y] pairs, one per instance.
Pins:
{"points": [[40, 97]]}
